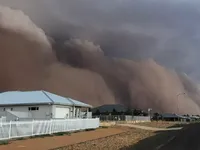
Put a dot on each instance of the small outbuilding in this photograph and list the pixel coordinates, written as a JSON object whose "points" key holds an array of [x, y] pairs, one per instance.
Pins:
{"points": [[41, 105]]}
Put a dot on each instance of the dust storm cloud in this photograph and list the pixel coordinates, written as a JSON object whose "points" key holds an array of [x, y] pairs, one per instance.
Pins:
{"points": [[87, 59], [25, 51]]}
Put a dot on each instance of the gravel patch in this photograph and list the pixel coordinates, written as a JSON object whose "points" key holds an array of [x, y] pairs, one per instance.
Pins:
{"points": [[115, 142]]}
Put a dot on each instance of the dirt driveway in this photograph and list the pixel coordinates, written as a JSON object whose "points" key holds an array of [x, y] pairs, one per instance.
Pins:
{"points": [[58, 141]]}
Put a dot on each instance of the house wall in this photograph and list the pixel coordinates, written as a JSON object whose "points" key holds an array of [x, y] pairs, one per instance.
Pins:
{"points": [[8, 115], [23, 112], [44, 112], [72, 113]]}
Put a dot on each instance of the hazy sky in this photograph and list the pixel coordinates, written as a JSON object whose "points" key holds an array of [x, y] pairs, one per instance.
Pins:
{"points": [[168, 31]]}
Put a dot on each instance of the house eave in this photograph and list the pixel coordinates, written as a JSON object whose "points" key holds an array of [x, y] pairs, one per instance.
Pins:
{"points": [[49, 103], [25, 104], [86, 106]]}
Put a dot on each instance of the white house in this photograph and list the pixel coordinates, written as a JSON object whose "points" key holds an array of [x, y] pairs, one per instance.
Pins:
{"points": [[43, 105]]}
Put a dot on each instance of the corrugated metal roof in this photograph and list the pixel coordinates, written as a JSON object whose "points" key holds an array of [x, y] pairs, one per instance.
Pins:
{"points": [[57, 99], [194, 117], [36, 97], [17, 97], [79, 103], [168, 115]]}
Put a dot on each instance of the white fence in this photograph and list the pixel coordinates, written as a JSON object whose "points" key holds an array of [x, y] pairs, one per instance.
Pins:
{"points": [[138, 118], [123, 118], [2, 120], [18, 129]]}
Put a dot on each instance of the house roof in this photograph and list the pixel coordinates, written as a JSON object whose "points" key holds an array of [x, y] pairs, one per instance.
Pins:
{"points": [[168, 115], [194, 117], [36, 97]]}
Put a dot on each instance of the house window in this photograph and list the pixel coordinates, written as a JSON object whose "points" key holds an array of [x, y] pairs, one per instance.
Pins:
{"points": [[4, 109], [11, 109], [33, 108]]}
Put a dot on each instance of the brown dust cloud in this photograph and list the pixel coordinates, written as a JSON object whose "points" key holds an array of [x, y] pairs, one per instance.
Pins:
{"points": [[31, 59]]}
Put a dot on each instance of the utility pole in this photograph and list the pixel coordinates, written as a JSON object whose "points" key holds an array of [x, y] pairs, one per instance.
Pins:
{"points": [[149, 111]]}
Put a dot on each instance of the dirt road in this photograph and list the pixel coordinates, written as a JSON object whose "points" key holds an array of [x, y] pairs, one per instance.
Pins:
{"points": [[58, 141]]}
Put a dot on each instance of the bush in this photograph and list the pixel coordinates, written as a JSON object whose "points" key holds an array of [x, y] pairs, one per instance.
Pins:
{"points": [[59, 134], [68, 133], [41, 136], [105, 127], [89, 129], [4, 142]]}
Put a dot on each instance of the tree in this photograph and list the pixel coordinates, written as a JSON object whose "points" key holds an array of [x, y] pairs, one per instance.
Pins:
{"points": [[156, 116], [106, 113], [128, 112], [114, 112], [137, 112], [145, 114], [97, 112], [121, 113]]}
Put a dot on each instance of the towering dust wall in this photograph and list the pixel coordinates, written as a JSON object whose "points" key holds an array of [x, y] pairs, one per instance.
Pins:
{"points": [[79, 68]]}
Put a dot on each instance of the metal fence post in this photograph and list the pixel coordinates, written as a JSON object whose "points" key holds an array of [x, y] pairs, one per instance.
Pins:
{"points": [[10, 128], [1, 121], [50, 130], [32, 129], [65, 124]]}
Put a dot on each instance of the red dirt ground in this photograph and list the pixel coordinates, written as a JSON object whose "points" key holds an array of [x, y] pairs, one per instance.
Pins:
{"points": [[58, 141]]}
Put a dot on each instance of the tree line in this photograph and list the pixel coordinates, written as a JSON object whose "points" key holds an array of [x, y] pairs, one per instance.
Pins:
{"points": [[132, 112]]}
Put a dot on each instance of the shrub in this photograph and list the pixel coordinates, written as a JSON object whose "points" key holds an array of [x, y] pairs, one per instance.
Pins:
{"points": [[4, 142]]}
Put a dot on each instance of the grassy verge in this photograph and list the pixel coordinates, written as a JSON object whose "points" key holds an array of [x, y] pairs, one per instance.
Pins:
{"points": [[159, 124]]}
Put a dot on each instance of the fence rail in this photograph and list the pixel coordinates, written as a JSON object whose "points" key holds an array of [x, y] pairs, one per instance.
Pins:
{"points": [[138, 118], [18, 129], [2, 120], [122, 118]]}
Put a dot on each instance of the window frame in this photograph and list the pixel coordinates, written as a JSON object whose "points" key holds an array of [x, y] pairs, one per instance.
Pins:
{"points": [[33, 108]]}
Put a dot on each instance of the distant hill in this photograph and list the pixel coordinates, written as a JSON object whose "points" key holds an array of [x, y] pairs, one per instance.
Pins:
{"points": [[110, 107]]}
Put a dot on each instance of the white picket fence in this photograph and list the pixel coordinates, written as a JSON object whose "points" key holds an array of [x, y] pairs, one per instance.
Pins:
{"points": [[2, 120], [18, 129]]}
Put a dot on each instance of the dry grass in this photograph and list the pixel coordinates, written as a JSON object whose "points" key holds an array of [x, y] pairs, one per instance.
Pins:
{"points": [[132, 139], [125, 140], [158, 124]]}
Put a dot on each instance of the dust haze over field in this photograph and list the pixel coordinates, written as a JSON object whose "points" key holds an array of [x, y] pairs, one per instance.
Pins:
{"points": [[104, 51]]}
